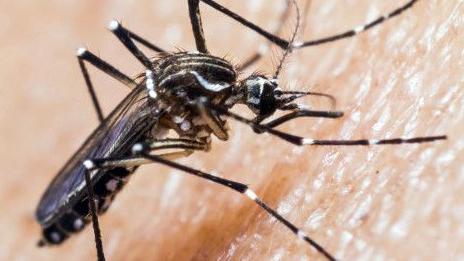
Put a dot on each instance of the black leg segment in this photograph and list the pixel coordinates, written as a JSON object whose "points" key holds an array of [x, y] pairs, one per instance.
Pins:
{"points": [[300, 141], [123, 36], [197, 27], [85, 55], [242, 189], [91, 89], [93, 212], [136, 37], [264, 47], [282, 43]]}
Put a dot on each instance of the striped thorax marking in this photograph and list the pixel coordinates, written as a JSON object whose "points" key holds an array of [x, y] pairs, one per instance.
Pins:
{"points": [[172, 71]]}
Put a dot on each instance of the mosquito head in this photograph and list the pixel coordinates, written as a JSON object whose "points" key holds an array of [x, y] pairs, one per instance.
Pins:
{"points": [[262, 95]]}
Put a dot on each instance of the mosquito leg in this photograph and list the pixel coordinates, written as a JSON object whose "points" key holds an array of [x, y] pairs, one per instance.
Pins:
{"points": [[360, 28], [297, 114], [187, 146], [113, 163], [197, 27], [271, 37], [265, 46], [131, 161], [91, 90], [242, 189], [125, 36], [180, 143], [165, 159], [300, 141], [136, 37], [284, 43], [84, 55], [93, 212]]}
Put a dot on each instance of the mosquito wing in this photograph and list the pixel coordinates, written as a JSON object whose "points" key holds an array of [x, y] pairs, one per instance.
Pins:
{"points": [[126, 124]]}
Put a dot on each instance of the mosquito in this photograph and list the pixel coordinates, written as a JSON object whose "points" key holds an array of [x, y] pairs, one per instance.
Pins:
{"points": [[173, 109]]}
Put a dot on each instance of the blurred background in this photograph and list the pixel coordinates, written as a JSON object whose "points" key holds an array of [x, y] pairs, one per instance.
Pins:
{"points": [[403, 78]]}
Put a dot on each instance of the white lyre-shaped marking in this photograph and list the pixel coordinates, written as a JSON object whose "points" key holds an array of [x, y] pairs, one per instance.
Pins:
{"points": [[214, 87]]}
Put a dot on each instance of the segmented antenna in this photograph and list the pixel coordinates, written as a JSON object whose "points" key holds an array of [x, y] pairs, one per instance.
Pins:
{"points": [[290, 44]]}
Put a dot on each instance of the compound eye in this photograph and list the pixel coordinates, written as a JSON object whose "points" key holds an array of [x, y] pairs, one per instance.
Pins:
{"points": [[278, 92], [267, 99]]}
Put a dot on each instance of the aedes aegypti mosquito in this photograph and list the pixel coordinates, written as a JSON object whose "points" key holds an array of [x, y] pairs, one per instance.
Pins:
{"points": [[189, 94]]}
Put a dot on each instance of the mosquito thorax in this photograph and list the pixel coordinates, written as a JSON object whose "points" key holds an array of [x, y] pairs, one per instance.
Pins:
{"points": [[179, 81], [194, 74]]}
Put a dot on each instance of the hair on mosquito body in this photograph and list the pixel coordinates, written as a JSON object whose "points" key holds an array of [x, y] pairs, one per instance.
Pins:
{"points": [[173, 109]]}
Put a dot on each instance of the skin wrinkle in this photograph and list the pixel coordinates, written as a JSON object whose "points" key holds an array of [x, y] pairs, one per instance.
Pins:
{"points": [[386, 203]]}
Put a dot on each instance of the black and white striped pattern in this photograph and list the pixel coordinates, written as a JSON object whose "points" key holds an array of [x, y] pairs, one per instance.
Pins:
{"points": [[300, 141], [124, 38], [358, 29], [284, 44], [212, 78], [243, 189], [174, 70]]}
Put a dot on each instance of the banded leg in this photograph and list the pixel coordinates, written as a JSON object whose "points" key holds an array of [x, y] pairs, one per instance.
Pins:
{"points": [[93, 214], [82, 56], [187, 146], [136, 37], [113, 163], [132, 161], [197, 27], [298, 114], [126, 36], [300, 141], [265, 46], [179, 143], [242, 189], [284, 43]]}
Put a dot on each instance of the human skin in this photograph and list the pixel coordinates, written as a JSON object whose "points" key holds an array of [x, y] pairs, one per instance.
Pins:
{"points": [[404, 78]]}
